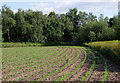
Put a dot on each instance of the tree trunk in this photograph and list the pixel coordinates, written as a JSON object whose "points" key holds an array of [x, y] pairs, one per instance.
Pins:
{"points": [[9, 36]]}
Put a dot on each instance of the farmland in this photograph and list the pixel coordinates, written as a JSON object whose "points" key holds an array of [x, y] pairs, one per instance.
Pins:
{"points": [[56, 63], [61, 45]]}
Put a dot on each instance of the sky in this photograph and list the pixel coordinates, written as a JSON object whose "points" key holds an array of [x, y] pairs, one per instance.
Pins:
{"points": [[97, 7]]}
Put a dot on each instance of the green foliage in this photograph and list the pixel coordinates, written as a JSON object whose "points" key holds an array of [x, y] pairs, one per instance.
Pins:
{"points": [[92, 36], [96, 31], [74, 26], [8, 22]]}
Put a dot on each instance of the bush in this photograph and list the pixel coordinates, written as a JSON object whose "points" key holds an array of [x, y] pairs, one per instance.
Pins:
{"points": [[66, 43], [7, 45], [58, 44]]}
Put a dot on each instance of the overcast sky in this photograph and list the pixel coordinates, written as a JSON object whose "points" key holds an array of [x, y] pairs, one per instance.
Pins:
{"points": [[97, 7]]}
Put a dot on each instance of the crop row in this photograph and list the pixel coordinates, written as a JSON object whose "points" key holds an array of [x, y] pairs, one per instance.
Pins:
{"points": [[32, 67], [27, 59], [31, 63], [50, 66], [55, 63], [58, 69], [93, 66], [104, 76], [65, 76]]}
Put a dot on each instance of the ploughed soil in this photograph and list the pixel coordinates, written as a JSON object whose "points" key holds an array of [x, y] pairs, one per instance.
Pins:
{"points": [[95, 75]]}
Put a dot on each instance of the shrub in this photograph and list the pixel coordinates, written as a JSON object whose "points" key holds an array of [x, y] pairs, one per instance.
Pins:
{"points": [[7, 45]]}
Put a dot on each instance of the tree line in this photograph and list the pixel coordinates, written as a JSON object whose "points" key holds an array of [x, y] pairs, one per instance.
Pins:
{"points": [[74, 26]]}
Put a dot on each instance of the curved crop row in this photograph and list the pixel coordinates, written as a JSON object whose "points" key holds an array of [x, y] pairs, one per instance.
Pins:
{"points": [[50, 66], [93, 66], [18, 67], [31, 65], [104, 77], [11, 59], [77, 67], [41, 65], [58, 69], [26, 60]]}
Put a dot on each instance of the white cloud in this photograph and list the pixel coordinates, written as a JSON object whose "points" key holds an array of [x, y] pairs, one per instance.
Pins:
{"points": [[86, 0], [107, 8], [63, 6], [45, 7], [47, 10], [119, 6], [59, 1], [15, 11], [58, 7]]}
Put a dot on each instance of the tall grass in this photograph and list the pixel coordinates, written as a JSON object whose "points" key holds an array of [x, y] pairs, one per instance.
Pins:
{"points": [[110, 49]]}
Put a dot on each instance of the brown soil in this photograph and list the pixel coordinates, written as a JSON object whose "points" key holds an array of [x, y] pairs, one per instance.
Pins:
{"points": [[114, 71], [96, 75]]}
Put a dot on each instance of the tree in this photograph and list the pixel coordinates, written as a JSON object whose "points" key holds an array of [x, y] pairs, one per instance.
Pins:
{"points": [[73, 26], [1, 38], [67, 28], [7, 22], [72, 15], [21, 26], [92, 36], [91, 18], [54, 33], [34, 20]]}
